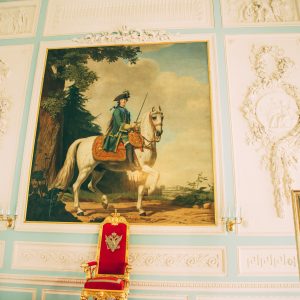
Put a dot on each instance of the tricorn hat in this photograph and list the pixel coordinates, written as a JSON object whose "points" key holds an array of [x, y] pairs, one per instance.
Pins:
{"points": [[124, 95]]}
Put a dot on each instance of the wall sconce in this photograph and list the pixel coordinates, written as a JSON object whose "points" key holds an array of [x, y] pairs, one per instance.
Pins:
{"points": [[231, 221], [7, 218]]}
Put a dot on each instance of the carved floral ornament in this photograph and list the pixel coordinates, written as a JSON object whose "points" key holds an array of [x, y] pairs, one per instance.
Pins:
{"points": [[124, 35], [4, 100], [272, 109]]}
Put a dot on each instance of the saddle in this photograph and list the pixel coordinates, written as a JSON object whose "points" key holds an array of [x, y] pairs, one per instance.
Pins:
{"points": [[135, 140]]}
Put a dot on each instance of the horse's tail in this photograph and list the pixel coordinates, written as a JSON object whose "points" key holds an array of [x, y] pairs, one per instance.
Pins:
{"points": [[65, 174]]}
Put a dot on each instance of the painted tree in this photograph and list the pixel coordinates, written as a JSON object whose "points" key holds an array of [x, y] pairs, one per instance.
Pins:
{"points": [[78, 122], [67, 65]]}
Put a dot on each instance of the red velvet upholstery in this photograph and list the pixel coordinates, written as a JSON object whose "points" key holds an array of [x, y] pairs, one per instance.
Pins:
{"points": [[113, 262], [105, 283], [108, 276]]}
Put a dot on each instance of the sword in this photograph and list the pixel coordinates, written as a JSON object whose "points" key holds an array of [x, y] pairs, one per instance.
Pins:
{"points": [[141, 108]]}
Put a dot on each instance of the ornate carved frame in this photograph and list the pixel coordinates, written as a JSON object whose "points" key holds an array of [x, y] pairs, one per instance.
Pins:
{"points": [[123, 36]]}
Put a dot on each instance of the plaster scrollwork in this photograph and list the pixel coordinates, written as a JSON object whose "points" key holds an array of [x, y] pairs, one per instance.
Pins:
{"points": [[124, 35], [4, 99], [272, 109], [192, 262]]}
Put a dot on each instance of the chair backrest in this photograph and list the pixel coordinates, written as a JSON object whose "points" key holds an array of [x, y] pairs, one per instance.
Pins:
{"points": [[112, 251]]}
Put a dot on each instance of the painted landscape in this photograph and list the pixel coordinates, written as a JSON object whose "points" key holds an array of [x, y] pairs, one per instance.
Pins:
{"points": [[76, 102]]}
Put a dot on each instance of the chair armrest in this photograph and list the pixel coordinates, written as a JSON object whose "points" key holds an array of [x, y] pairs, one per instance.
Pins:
{"points": [[89, 268], [127, 271]]}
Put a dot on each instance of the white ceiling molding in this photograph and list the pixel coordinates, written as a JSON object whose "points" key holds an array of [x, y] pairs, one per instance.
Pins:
{"points": [[83, 16]]}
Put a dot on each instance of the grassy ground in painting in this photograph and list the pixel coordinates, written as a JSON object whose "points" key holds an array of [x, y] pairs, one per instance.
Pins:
{"points": [[159, 211]]}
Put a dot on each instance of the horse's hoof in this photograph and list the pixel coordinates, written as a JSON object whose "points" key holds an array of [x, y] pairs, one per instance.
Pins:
{"points": [[143, 214], [105, 205]]}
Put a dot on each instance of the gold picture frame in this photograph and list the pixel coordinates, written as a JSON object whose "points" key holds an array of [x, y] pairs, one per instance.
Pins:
{"points": [[25, 190], [296, 213]]}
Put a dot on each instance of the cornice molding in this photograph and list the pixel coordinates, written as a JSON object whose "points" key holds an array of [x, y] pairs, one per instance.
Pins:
{"points": [[154, 285]]}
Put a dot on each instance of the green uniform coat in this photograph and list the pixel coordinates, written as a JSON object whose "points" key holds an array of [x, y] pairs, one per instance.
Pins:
{"points": [[116, 131]]}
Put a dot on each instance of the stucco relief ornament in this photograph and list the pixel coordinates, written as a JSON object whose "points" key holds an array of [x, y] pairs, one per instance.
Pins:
{"points": [[272, 109], [261, 11], [4, 100], [124, 35]]}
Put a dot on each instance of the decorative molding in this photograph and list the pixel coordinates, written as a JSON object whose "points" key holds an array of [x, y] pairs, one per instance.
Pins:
{"points": [[51, 256], [260, 12], [157, 297], [272, 110], [191, 286], [240, 297], [169, 260], [271, 261], [124, 35], [2, 249], [81, 16], [143, 259], [15, 290], [15, 63], [18, 18], [5, 102], [46, 292]]}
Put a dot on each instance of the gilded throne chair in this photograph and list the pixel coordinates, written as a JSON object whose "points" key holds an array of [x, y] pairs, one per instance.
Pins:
{"points": [[107, 277]]}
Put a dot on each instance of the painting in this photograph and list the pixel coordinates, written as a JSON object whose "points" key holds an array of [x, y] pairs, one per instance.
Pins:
{"points": [[296, 212], [126, 127]]}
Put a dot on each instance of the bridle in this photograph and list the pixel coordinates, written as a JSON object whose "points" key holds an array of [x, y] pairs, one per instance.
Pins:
{"points": [[150, 144]]}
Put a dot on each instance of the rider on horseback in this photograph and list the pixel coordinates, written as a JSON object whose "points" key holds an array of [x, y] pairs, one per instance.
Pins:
{"points": [[118, 129]]}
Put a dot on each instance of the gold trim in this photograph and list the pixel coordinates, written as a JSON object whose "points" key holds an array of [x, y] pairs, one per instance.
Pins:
{"points": [[209, 41], [93, 271], [296, 213]]}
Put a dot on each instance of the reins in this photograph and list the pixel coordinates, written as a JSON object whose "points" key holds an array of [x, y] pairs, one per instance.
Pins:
{"points": [[151, 143]]}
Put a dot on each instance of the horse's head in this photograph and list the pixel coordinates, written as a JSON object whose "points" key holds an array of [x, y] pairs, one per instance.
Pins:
{"points": [[156, 118]]}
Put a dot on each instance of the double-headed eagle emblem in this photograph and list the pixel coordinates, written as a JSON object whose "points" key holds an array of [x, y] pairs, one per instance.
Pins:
{"points": [[112, 241]]}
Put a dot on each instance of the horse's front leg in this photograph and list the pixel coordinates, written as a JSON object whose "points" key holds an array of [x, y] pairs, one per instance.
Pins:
{"points": [[141, 189], [150, 183], [152, 178]]}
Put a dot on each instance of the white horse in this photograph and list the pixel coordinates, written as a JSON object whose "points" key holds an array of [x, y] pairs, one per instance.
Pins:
{"points": [[80, 151]]}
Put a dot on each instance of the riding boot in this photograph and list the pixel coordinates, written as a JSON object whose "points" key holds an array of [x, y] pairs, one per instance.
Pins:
{"points": [[130, 158]]}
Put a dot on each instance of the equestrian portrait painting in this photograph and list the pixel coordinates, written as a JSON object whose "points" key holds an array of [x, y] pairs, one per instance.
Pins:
{"points": [[125, 127]]}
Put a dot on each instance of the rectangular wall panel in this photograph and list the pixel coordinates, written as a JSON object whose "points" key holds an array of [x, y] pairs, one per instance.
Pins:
{"points": [[271, 261], [16, 293], [14, 71], [18, 18], [264, 85], [2, 249], [260, 13], [78, 16], [151, 260]]}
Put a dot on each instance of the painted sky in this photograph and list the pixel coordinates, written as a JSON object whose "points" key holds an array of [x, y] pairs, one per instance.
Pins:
{"points": [[176, 78]]}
